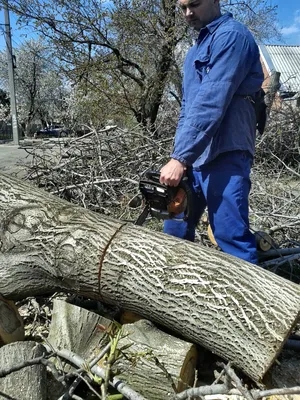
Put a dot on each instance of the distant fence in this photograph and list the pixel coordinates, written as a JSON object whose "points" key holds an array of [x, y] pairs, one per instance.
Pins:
{"points": [[5, 131]]}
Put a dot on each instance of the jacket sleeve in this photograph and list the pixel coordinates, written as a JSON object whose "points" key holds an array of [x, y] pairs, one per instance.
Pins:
{"points": [[230, 61]]}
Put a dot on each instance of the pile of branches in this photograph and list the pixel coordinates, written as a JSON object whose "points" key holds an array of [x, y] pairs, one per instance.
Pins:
{"points": [[280, 144], [101, 171], [227, 381], [275, 194]]}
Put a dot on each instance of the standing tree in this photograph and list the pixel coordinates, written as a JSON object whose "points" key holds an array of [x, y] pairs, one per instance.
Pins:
{"points": [[40, 90], [259, 15]]}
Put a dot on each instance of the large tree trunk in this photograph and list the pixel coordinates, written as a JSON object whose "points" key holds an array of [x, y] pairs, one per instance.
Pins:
{"points": [[233, 308]]}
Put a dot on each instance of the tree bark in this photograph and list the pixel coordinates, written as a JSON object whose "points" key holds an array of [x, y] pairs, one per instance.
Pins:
{"points": [[273, 88], [237, 310], [154, 363], [28, 383]]}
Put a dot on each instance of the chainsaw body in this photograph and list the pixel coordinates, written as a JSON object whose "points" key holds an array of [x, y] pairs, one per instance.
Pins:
{"points": [[164, 202]]}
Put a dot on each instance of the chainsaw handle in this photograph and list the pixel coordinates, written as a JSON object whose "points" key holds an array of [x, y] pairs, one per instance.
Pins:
{"points": [[189, 195], [155, 175]]}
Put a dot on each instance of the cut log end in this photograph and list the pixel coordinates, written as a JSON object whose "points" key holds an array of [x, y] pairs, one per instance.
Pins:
{"points": [[187, 373], [11, 323]]}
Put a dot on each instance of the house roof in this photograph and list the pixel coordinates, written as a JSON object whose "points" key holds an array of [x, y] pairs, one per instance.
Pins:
{"points": [[286, 60]]}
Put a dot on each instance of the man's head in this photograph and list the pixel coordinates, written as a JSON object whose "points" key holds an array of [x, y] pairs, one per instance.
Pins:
{"points": [[199, 13]]}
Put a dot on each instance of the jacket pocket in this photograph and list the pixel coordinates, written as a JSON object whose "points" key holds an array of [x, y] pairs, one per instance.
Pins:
{"points": [[201, 64]]}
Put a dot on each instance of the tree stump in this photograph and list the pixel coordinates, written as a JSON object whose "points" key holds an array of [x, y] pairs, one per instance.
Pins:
{"points": [[30, 382], [76, 329], [155, 364]]}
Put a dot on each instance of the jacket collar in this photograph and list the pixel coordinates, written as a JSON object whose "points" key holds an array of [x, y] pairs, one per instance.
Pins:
{"points": [[212, 26]]}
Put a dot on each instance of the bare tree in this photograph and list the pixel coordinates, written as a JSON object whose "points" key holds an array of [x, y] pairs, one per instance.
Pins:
{"points": [[40, 90], [123, 50]]}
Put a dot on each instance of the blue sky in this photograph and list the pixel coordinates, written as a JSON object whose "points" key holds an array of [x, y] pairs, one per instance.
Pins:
{"points": [[288, 21]]}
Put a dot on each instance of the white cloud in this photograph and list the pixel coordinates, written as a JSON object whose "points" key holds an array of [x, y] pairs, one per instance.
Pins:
{"points": [[294, 28], [290, 30], [297, 17]]}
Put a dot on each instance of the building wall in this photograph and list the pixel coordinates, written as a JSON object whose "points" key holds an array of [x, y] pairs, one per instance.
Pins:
{"points": [[267, 79]]}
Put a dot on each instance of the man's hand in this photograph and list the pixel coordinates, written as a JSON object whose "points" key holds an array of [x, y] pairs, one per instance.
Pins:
{"points": [[172, 173]]}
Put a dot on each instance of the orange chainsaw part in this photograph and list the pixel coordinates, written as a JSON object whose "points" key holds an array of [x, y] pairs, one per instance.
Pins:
{"points": [[179, 203]]}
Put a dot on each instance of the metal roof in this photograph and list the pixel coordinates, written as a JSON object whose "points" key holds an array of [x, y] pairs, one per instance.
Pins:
{"points": [[286, 60]]}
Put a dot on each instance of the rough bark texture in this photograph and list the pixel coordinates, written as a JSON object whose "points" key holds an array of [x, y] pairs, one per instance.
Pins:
{"points": [[156, 365], [48, 245], [233, 308], [30, 382]]}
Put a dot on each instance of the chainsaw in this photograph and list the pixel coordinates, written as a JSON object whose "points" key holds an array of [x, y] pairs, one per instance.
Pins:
{"points": [[167, 202], [164, 202]]}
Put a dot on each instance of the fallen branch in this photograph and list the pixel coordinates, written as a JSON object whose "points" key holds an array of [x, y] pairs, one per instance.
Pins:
{"points": [[116, 383], [286, 166], [279, 261], [278, 252], [233, 386]]}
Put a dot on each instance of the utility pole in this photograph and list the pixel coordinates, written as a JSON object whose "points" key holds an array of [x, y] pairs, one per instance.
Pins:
{"points": [[13, 106]]}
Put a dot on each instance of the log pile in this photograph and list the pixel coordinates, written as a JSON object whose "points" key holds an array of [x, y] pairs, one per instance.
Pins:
{"points": [[236, 310]]}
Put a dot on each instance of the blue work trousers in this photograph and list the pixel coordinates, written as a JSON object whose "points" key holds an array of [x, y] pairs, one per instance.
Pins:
{"points": [[223, 185]]}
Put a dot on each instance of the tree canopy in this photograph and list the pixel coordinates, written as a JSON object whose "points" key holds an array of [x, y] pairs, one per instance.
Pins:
{"points": [[125, 52], [39, 87]]}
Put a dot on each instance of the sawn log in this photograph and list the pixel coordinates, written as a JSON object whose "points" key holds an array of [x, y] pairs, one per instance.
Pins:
{"points": [[237, 310]]}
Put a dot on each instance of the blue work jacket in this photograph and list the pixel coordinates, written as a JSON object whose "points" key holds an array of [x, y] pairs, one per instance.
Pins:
{"points": [[220, 70]]}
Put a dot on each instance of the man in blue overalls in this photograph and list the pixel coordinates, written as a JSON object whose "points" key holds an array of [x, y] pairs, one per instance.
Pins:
{"points": [[215, 137]]}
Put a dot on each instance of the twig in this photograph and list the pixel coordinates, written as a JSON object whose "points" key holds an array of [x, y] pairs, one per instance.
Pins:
{"points": [[202, 391], [27, 363], [234, 378], [119, 385], [81, 378], [80, 372], [114, 340], [275, 392], [110, 128], [286, 166], [113, 180]]}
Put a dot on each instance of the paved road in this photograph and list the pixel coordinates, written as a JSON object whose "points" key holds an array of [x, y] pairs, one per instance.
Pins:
{"points": [[13, 159]]}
